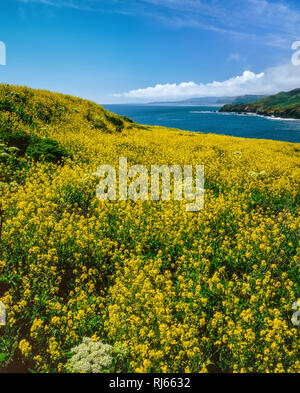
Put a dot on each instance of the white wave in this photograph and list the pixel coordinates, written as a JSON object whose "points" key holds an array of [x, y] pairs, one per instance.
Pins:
{"points": [[257, 115], [203, 112], [268, 117], [280, 118], [247, 114]]}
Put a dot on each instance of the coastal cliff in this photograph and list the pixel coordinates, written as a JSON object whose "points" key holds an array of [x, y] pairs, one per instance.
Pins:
{"points": [[284, 105]]}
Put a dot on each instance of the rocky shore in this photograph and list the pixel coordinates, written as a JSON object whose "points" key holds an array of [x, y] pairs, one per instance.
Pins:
{"points": [[291, 113], [283, 105]]}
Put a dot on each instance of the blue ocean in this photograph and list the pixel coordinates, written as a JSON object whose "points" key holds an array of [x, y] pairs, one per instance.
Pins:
{"points": [[207, 119]]}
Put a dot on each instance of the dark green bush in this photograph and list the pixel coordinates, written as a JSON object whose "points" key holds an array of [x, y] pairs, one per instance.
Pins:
{"points": [[116, 121], [19, 139], [47, 149], [127, 119], [34, 146]]}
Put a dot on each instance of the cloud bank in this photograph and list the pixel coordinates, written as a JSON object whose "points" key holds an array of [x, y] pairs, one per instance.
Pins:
{"points": [[273, 80]]}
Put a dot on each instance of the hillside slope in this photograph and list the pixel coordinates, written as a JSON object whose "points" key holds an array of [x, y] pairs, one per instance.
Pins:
{"points": [[34, 112], [284, 104], [169, 290]]}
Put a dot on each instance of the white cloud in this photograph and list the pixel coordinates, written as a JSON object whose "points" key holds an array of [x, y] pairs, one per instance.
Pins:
{"points": [[273, 80]]}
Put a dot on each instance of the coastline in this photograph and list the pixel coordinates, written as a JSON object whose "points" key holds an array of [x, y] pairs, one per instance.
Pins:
{"points": [[210, 119], [271, 117]]}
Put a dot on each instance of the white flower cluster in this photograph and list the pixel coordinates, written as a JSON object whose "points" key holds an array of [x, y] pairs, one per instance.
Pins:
{"points": [[90, 357]]}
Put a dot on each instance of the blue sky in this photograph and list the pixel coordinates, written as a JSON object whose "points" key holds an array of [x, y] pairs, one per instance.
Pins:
{"points": [[142, 50]]}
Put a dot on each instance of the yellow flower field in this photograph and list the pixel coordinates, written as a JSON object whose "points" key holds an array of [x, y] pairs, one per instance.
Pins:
{"points": [[208, 291]]}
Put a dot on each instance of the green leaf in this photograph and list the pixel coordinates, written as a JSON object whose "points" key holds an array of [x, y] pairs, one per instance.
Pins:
{"points": [[2, 357]]}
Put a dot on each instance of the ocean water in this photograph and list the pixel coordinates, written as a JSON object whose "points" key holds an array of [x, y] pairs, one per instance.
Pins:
{"points": [[207, 119]]}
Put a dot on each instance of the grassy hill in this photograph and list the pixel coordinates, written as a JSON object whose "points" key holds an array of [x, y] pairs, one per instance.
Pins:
{"points": [[169, 290], [284, 104]]}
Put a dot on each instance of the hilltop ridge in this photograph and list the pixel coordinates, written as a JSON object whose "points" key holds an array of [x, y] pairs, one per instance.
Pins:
{"points": [[32, 108]]}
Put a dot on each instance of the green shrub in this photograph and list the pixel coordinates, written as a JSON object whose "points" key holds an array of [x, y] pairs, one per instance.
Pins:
{"points": [[116, 121], [47, 149], [34, 146], [19, 139]]}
